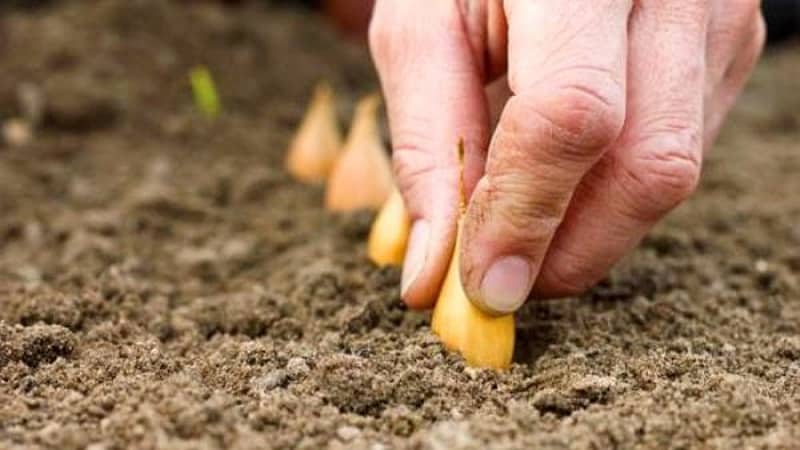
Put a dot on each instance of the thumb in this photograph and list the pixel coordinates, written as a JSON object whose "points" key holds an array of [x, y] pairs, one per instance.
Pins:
{"points": [[434, 93]]}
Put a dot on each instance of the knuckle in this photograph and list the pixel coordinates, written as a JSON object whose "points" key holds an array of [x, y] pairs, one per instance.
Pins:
{"points": [[662, 175], [592, 115], [566, 272], [674, 175], [668, 180], [582, 118]]}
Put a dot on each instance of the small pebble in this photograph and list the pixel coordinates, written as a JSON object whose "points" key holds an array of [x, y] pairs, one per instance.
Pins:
{"points": [[348, 433], [472, 372], [236, 249], [17, 133], [98, 446], [271, 381], [195, 257], [728, 348], [297, 367]]}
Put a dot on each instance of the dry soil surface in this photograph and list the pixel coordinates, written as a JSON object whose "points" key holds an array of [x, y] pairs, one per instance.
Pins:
{"points": [[165, 285]]}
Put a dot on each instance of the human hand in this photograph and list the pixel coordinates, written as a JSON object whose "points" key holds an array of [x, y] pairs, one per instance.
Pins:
{"points": [[612, 105]]}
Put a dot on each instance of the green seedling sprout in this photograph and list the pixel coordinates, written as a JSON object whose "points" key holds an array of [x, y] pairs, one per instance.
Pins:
{"points": [[205, 93]]}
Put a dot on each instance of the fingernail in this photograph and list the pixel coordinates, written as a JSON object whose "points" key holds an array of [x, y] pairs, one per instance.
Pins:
{"points": [[416, 254], [506, 285]]}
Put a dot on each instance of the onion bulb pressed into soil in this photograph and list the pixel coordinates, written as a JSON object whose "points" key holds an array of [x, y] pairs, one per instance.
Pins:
{"points": [[318, 141], [362, 176], [388, 236], [483, 340]]}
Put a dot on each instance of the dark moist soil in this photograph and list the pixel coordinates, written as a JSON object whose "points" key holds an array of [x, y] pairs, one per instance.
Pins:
{"points": [[165, 285]]}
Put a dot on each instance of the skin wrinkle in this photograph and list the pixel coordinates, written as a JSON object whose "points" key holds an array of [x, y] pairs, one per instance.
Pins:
{"points": [[408, 171], [573, 146], [665, 123], [599, 125], [648, 203], [608, 179], [539, 233], [414, 181], [519, 207], [511, 135], [682, 155], [520, 160], [409, 139]]}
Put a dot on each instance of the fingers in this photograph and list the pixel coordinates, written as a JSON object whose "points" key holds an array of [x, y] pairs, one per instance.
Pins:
{"points": [[433, 85], [566, 70], [733, 25], [656, 162], [734, 67]]}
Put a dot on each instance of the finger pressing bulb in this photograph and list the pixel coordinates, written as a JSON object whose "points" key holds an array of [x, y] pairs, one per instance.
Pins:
{"points": [[482, 339]]}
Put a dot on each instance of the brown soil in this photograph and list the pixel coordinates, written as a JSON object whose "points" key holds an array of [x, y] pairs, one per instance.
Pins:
{"points": [[165, 285]]}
